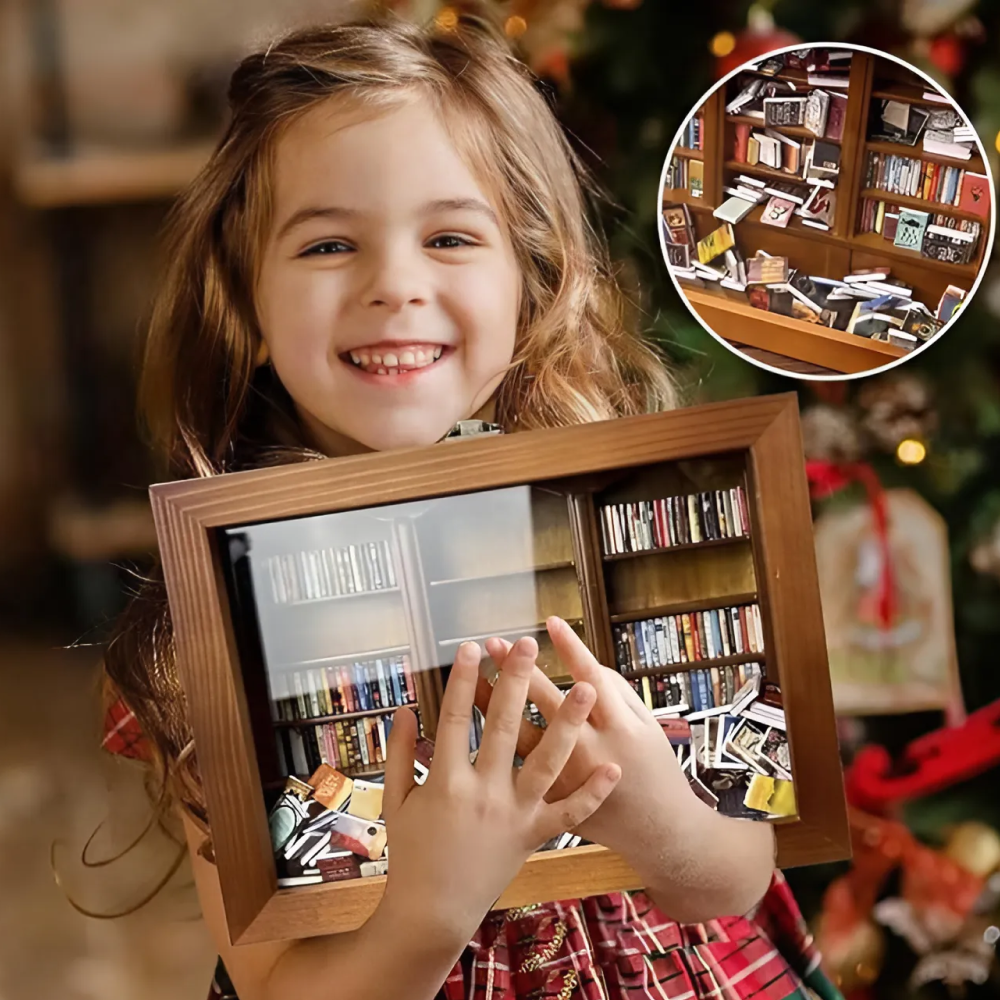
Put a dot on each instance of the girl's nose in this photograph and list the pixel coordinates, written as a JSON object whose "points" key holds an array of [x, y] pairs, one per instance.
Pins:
{"points": [[396, 278]]}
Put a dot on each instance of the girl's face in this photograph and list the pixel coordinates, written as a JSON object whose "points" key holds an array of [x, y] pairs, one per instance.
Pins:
{"points": [[388, 291]]}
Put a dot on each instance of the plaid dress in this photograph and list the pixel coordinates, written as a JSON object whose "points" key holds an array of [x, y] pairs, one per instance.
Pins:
{"points": [[613, 947]]}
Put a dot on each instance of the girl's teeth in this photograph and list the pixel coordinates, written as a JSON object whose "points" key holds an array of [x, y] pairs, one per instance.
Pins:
{"points": [[410, 359]]}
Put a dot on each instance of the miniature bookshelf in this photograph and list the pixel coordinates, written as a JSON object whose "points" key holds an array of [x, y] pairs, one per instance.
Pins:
{"points": [[845, 247], [489, 537]]}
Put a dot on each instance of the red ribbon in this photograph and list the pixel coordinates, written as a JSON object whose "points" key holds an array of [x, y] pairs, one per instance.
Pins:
{"points": [[826, 478]]}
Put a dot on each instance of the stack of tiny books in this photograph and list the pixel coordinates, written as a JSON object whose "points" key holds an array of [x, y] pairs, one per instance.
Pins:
{"points": [[869, 302], [330, 828], [736, 755]]}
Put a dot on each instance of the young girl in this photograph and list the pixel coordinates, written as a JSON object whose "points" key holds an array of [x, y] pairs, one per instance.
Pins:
{"points": [[390, 238]]}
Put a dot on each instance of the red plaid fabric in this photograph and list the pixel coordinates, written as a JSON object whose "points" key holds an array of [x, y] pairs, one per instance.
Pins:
{"points": [[621, 947], [122, 734]]}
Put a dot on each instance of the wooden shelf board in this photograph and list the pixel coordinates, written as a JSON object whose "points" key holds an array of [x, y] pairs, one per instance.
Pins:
{"points": [[520, 630], [877, 244], [973, 163], [908, 95], [687, 152], [99, 176], [679, 668], [342, 717], [366, 654], [709, 543], [543, 568], [336, 597], [794, 131], [114, 529], [681, 196], [922, 205], [736, 320], [683, 607]]}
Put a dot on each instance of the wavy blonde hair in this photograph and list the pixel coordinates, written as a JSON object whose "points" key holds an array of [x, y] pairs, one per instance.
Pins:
{"points": [[209, 408]]}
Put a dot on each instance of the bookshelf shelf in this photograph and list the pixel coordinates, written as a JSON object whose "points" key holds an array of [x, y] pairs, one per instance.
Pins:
{"points": [[681, 196], [922, 204], [683, 607], [762, 171], [679, 668], [367, 654], [794, 131], [309, 601], [501, 633], [102, 176], [878, 244], [711, 543], [973, 163], [906, 94], [342, 717], [543, 568], [691, 154]]}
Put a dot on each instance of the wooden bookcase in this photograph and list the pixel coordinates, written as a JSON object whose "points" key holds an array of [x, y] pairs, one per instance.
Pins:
{"points": [[487, 537], [834, 253]]}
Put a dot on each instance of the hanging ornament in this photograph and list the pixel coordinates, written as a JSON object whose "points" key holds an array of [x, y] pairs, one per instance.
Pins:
{"points": [[760, 37], [947, 53], [897, 407], [831, 434], [884, 576]]}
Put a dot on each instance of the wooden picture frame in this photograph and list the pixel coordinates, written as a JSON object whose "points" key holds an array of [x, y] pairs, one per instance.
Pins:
{"points": [[225, 714]]}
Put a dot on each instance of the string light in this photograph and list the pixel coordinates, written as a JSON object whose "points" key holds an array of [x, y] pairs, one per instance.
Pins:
{"points": [[911, 452], [998, 142], [446, 19], [722, 44], [515, 26]]}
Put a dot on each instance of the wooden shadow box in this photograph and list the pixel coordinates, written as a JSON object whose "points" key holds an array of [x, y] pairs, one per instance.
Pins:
{"points": [[310, 600]]}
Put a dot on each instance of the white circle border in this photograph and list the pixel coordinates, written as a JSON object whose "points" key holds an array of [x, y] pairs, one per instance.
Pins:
{"points": [[835, 46]]}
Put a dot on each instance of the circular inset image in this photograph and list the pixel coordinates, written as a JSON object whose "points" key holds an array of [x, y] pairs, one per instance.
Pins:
{"points": [[827, 211]]}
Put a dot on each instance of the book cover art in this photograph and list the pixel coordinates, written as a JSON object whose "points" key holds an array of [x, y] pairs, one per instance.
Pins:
{"points": [[821, 205], [759, 297], [836, 116], [784, 110], [951, 299], [742, 142], [975, 195], [826, 155], [778, 212], [696, 178], [678, 255], [910, 228], [716, 242], [767, 270], [817, 110]]}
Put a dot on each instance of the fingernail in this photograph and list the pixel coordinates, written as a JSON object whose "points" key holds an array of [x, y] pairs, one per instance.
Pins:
{"points": [[578, 694], [613, 771], [468, 649]]}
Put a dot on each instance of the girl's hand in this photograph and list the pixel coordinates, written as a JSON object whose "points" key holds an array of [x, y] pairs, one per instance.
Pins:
{"points": [[459, 839], [653, 799]]}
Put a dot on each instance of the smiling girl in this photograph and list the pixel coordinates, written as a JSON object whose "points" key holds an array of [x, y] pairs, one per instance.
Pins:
{"points": [[391, 237]]}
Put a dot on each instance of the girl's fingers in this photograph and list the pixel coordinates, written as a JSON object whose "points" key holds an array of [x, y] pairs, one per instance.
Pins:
{"points": [[529, 734], [545, 694], [545, 763], [400, 751], [568, 813], [506, 711], [629, 695], [451, 744], [581, 664]]}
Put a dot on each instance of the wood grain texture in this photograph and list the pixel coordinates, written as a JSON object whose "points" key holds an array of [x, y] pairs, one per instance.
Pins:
{"points": [[852, 150], [794, 338], [796, 644], [187, 515]]}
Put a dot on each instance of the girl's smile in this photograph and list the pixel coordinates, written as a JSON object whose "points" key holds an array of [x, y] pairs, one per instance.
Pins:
{"points": [[395, 359]]}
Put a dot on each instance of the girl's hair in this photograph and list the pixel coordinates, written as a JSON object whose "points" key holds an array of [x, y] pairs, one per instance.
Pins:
{"points": [[207, 405]]}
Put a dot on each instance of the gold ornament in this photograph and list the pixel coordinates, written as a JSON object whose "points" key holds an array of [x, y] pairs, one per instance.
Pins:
{"points": [[975, 846]]}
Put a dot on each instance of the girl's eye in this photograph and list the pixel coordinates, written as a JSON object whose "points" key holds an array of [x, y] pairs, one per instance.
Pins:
{"points": [[448, 241], [326, 247]]}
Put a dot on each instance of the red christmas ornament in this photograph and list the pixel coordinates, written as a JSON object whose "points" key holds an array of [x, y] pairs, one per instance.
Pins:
{"points": [[947, 52], [752, 44]]}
